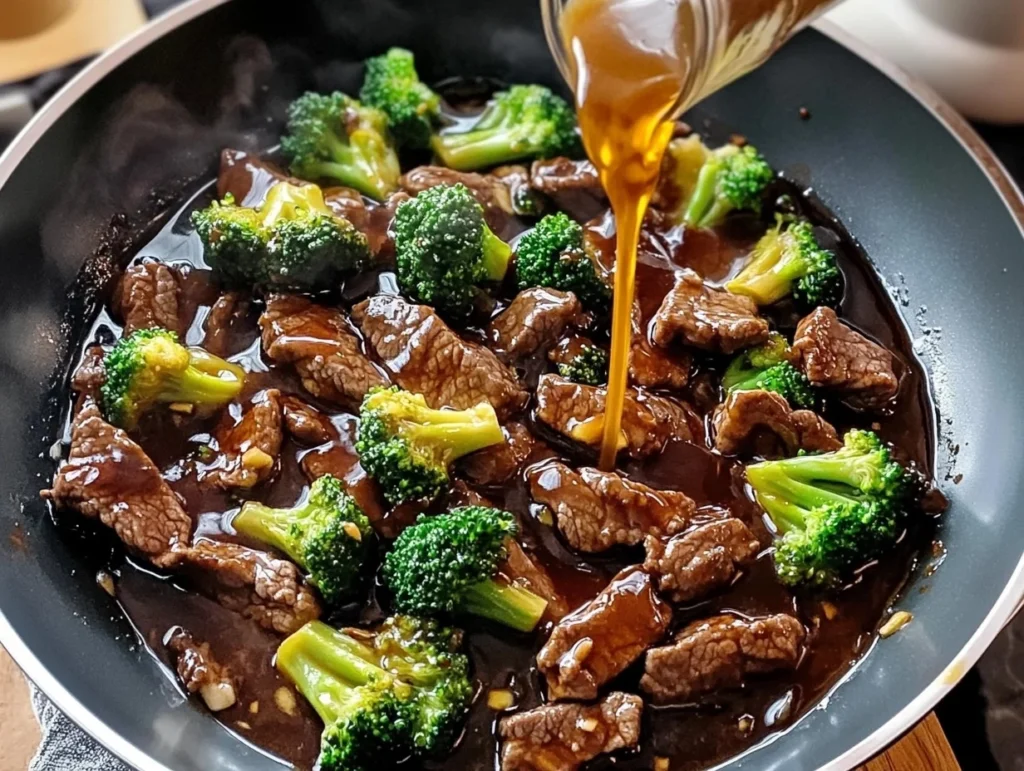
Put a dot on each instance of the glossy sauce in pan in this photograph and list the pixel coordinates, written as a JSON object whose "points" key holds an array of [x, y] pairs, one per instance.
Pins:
{"points": [[692, 737]]}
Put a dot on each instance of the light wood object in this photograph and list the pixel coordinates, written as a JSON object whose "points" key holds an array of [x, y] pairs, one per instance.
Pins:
{"points": [[84, 29], [923, 749]]}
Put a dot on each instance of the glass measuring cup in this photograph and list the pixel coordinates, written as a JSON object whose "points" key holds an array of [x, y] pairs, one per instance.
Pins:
{"points": [[713, 42]]}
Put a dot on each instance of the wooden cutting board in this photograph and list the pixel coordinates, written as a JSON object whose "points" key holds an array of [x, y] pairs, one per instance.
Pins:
{"points": [[923, 749]]}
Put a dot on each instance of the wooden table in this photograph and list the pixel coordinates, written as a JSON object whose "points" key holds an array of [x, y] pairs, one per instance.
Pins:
{"points": [[923, 749]]}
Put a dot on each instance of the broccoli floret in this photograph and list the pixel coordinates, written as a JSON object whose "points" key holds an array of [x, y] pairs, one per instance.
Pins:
{"points": [[447, 564], [393, 87], [327, 535], [444, 250], [407, 446], [589, 366], [788, 260], [402, 691], [523, 122], [293, 240], [835, 511], [150, 366], [553, 255], [767, 368], [332, 136], [730, 179]]}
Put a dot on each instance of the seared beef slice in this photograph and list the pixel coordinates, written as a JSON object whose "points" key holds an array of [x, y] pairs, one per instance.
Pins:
{"points": [[693, 564], [648, 422], [563, 736], [708, 318], [834, 356], [108, 476], [597, 510], [762, 423], [599, 640], [718, 652], [200, 672], [534, 320], [248, 444], [323, 348], [148, 297], [423, 355], [252, 583]]}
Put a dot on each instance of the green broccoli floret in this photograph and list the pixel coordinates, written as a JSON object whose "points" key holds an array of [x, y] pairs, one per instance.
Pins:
{"points": [[393, 86], [448, 564], [327, 535], [444, 250], [730, 179], [767, 368], [293, 240], [150, 366], [835, 511], [383, 697], [523, 122], [332, 136], [787, 260], [588, 367], [407, 446], [553, 255]]}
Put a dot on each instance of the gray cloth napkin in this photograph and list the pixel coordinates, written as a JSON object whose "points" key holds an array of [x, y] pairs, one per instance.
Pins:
{"points": [[64, 746]]}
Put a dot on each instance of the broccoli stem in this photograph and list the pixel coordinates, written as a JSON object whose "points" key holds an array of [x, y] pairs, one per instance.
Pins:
{"points": [[458, 432], [476, 149], [496, 254], [204, 381], [319, 661], [838, 468], [270, 526], [505, 603], [702, 203]]}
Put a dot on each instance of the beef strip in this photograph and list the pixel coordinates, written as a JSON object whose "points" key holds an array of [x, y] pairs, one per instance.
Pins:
{"points": [[248, 442], [699, 561], [229, 309], [574, 186], [147, 297], [252, 583], [707, 318], [561, 737], [534, 320], [305, 423], [648, 422], [90, 375], [762, 423], [834, 356], [490, 191], [523, 570], [718, 652], [200, 672], [424, 355], [599, 640], [109, 477], [597, 510], [498, 463], [653, 367], [321, 345]]}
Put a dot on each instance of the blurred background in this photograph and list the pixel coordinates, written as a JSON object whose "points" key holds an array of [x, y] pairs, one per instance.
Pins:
{"points": [[970, 51]]}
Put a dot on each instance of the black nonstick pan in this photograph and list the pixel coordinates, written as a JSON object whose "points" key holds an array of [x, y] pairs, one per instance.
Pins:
{"points": [[118, 149]]}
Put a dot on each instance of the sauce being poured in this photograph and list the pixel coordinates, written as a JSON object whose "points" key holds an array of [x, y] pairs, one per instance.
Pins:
{"points": [[634, 66]]}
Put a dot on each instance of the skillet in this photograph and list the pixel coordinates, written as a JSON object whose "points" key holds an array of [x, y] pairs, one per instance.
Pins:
{"points": [[139, 130]]}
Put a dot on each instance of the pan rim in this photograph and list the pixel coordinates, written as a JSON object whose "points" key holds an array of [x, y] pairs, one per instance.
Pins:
{"points": [[1002, 611]]}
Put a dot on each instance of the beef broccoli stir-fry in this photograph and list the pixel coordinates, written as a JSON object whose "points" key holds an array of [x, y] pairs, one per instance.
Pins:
{"points": [[359, 438]]}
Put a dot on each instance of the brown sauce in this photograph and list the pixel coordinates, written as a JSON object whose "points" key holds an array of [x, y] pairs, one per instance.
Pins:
{"points": [[692, 737]]}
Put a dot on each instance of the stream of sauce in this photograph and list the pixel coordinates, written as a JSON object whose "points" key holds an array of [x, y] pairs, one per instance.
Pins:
{"points": [[634, 66]]}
